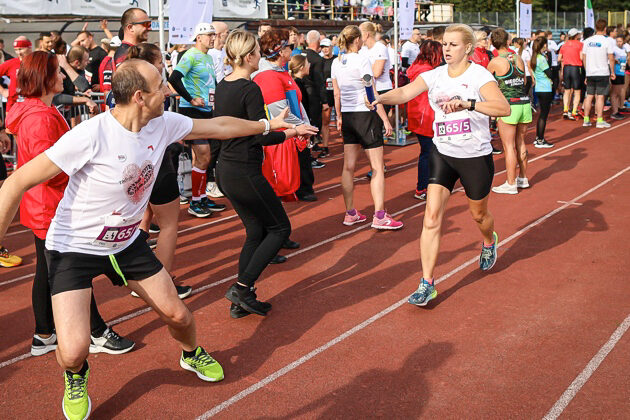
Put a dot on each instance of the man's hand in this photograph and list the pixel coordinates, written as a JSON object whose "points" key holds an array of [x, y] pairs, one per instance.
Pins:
{"points": [[198, 102], [91, 106], [85, 25], [63, 61], [104, 24], [339, 123], [5, 142]]}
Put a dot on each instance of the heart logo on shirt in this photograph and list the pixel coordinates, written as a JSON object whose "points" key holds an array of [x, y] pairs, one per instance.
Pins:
{"points": [[137, 180]]}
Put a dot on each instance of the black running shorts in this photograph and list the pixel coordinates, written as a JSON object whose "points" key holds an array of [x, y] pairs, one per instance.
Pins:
{"points": [[166, 188], [597, 85], [74, 271], [572, 77], [619, 80], [198, 115], [475, 173], [387, 107], [362, 127]]}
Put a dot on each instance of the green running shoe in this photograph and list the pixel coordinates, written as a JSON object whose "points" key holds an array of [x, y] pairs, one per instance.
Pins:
{"points": [[426, 291], [203, 365], [489, 254], [76, 403]]}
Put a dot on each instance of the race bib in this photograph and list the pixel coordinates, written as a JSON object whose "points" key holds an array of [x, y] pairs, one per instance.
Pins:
{"points": [[329, 84], [454, 130], [211, 98], [116, 232]]}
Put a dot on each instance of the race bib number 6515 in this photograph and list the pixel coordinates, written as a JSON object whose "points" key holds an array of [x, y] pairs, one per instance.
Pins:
{"points": [[454, 128]]}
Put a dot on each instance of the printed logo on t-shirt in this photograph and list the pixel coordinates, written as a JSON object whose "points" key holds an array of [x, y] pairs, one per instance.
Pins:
{"points": [[122, 158], [138, 180], [594, 44]]}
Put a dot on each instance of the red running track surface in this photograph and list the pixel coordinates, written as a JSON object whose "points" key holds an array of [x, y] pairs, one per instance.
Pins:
{"points": [[342, 343]]}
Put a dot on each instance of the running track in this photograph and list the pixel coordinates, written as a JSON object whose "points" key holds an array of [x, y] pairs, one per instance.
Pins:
{"points": [[541, 335]]}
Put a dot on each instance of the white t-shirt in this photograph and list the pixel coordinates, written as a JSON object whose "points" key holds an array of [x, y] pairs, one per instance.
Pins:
{"points": [[553, 49], [626, 47], [220, 68], [463, 134], [393, 56], [526, 56], [410, 50], [379, 52], [112, 171], [596, 50], [348, 70]]}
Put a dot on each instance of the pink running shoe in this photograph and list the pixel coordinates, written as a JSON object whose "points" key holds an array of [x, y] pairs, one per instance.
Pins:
{"points": [[386, 223], [351, 220]]}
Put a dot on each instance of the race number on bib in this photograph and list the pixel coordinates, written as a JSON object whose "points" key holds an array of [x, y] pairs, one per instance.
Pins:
{"points": [[453, 130], [211, 98], [329, 84], [116, 232]]}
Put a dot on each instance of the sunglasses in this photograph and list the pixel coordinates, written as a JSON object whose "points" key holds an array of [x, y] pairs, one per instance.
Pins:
{"points": [[145, 23]]}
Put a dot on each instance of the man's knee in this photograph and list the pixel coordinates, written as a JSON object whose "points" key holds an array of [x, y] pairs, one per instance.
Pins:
{"points": [[73, 354], [179, 317]]}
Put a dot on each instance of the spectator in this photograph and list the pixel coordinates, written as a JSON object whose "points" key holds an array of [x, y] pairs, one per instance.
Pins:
{"points": [[96, 54], [46, 42], [6, 55], [597, 55], [106, 70], [294, 36], [262, 29], [553, 49], [10, 68], [135, 26], [217, 52], [410, 49], [73, 68], [481, 55], [438, 33]]}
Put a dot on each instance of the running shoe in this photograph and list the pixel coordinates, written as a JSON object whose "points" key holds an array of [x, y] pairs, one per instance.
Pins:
{"points": [[506, 188], [587, 123], [565, 115], [211, 205], [426, 291], [617, 116], [238, 312], [420, 194], [183, 291], [522, 182], [278, 259], [572, 117], [489, 254], [152, 243], [542, 144], [386, 223], [316, 147], [76, 402], [316, 164], [110, 342], [246, 298], [351, 220], [153, 228], [206, 368], [602, 124], [8, 260], [496, 151], [212, 189], [324, 153], [41, 346], [198, 210], [183, 200]]}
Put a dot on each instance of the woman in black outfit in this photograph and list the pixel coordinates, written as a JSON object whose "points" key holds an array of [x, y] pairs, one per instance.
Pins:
{"points": [[240, 177]]}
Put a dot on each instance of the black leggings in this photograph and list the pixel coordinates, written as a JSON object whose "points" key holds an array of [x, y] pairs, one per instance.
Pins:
{"points": [[42, 303], [544, 99], [266, 223]]}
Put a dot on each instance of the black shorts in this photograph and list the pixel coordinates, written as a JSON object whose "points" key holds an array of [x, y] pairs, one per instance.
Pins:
{"points": [[387, 107], [197, 114], [362, 127], [330, 98], [619, 80], [475, 173], [572, 77], [3, 169], [74, 271], [597, 85], [165, 188]]}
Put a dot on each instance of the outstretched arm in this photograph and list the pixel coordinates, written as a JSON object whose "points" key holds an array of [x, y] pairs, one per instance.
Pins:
{"points": [[223, 128], [404, 94]]}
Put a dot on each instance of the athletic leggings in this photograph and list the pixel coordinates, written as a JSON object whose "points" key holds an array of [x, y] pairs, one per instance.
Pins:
{"points": [[267, 225], [42, 303], [426, 144], [544, 99]]}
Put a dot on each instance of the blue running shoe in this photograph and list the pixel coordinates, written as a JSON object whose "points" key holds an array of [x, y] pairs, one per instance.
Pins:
{"points": [[198, 210], [489, 254], [426, 291], [211, 205]]}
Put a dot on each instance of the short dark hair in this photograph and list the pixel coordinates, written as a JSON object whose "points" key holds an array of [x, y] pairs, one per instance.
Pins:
{"points": [[438, 31], [600, 25], [76, 53], [609, 29], [499, 38], [127, 80], [43, 34], [144, 51], [38, 74], [88, 33], [128, 15]]}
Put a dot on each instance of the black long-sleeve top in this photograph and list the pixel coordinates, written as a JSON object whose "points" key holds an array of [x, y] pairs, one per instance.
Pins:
{"points": [[242, 98]]}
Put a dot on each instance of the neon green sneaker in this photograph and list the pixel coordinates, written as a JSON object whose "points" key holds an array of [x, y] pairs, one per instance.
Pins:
{"points": [[203, 365], [76, 403]]}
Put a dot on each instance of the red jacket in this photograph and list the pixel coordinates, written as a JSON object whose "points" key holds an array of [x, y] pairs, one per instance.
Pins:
{"points": [[420, 115], [38, 127], [10, 68], [480, 56]]}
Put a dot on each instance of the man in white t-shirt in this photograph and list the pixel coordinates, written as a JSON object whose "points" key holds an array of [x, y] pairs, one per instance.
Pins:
{"points": [[555, 66], [112, 160], [599, 62], [411, 49]]}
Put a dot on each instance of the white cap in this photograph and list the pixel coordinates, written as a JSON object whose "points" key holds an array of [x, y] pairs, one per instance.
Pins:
{"points": [[325, 42], [201, 29], [573, 32], [115, 42]]}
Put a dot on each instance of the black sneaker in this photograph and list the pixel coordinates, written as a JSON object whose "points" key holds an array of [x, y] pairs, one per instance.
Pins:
{"points": [[289, 244], [317, 148], [153, 228], [496, 151], [278, 259], [41, 346], [324, 153], [237, 312], [316, 164], [211, 205], [246, 299], [542, 144], [152, 243], [110, 343], [617, 116], [183, 291], [196, 209]]}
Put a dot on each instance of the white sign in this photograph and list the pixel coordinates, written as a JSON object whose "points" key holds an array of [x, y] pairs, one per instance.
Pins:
{"points": [[406, 15], [246, 9], [525, 20], [184, 17]]}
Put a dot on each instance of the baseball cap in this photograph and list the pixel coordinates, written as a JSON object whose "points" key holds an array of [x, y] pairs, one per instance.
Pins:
{"points": [[325, 42], [201, 29], [115, 42], [573, 32]]}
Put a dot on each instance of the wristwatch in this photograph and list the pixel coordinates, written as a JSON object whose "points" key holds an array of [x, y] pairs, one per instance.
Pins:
{"points": [[472, 104]]}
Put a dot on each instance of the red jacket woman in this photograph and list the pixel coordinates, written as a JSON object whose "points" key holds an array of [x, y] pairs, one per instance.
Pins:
{"points": [[38, 127]]}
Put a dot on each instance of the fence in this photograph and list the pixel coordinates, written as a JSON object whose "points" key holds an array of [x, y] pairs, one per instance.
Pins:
{"points": [[563, 21]]}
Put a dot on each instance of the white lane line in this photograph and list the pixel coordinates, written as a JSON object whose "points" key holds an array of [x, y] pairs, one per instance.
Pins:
{"points": [[291, 366], [588, 371], [17, 232], [566, 202], [318, 244], [17, 279], [15, 360]]}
